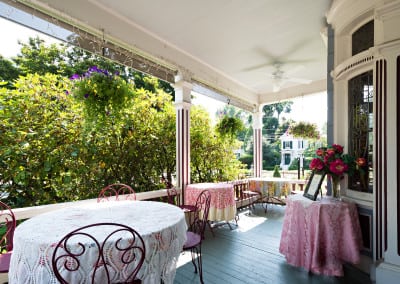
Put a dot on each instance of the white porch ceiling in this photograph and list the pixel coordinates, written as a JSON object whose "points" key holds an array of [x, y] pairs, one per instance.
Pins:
{"points": [[233, 46]]}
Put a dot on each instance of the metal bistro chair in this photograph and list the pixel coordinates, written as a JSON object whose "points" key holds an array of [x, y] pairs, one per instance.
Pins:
{"points": [[195, 234], [114, 191], [122, 249], [7, 228], [174, 199]]}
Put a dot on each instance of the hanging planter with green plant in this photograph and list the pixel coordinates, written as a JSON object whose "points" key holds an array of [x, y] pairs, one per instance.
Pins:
{"points": [[230, 126], [304, 130], [102, 94]]}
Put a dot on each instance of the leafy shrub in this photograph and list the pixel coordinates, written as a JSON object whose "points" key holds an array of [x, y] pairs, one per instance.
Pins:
{"points": [[276, 172]]}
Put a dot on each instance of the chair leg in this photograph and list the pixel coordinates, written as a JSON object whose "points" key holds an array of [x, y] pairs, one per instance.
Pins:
{"points": [[211, 229], [193, 251], [200, 263]]}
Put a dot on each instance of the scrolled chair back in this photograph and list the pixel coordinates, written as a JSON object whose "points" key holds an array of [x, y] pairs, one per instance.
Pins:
{"points": [[173, 196], [114, 256], [116, 191], [203, 202], [7, 226]]}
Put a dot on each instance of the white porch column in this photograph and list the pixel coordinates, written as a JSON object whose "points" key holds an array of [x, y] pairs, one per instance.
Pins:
{"points": [[257, 149], [182, 105], [387, 199]]}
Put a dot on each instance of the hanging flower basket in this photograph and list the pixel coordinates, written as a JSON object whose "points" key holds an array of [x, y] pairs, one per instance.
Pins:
{"points": [[102, 93], [304, 130]]}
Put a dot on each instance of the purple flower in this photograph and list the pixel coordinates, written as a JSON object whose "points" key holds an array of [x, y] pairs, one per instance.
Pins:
{"points": [[86, 96], [94, 69], [75, 77], [66, 92]]}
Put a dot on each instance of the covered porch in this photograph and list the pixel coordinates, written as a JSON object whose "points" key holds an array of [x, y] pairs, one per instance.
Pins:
{"points": [[265, 57]]}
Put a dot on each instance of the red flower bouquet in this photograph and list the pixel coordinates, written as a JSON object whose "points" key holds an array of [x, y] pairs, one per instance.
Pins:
{"points": [[334, 163]]}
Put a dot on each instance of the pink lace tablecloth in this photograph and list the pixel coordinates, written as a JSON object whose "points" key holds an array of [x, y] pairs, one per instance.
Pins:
{"points": [[162, 226], [223, 204], [320, 235]]}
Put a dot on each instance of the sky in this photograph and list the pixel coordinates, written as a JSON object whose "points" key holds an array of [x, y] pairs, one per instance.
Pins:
{"points": [[310, 108]]}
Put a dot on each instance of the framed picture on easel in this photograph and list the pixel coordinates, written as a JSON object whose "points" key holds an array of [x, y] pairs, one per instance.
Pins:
{"points": [[314, 185]]}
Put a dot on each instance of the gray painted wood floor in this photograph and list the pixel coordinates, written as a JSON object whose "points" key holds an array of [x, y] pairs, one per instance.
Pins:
{"points": [[250, 254]]}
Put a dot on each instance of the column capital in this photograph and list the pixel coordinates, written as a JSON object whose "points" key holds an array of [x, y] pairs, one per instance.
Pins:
{"points": [[257, 119], [182, 105], [183, 89]]}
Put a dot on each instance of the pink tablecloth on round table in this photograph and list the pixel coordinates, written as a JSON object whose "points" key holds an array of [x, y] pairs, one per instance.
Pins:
{"points": [[223, 204], [320, 235]]}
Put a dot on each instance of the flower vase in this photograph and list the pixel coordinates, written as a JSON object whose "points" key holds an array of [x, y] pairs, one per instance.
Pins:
{"points": [[335, 188]]}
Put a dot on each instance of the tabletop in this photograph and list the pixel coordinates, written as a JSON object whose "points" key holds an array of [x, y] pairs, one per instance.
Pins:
{"points": [[162, 227], [223, 204], [320, 235]]}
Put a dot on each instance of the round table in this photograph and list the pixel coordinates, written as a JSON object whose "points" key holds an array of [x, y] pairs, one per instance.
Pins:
{"points": [[223, 204], [320, 235], [162, 227]]}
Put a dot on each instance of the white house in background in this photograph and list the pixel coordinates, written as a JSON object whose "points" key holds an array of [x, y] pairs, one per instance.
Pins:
{"points": [[291, 149]]}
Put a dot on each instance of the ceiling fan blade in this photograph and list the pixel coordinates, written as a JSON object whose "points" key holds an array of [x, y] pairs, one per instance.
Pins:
{"points": [[255, 67], [297, 80]]}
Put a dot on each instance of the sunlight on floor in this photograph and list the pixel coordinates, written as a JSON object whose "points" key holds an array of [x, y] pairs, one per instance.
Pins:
{"points": [[248, 221], [184, 257]]}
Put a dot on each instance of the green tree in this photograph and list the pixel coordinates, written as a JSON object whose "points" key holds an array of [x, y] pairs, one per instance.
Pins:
{"points": [[212, 156], [36, 57], [8, 72], [49, 154], [39, 134]]}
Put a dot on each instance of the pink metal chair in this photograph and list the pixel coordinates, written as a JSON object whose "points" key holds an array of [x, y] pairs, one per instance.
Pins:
{"points": [[123, 243], [115, 192], [195, 234], [173, 196], [174, 199], [7, 227]]}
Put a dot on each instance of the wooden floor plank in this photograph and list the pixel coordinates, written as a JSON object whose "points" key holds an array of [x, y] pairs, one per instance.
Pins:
{"points": [[250, 254]]}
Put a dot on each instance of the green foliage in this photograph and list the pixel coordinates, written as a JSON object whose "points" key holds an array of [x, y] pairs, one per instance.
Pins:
{"points": [[8, 72], [247, 160], [39, 133], [212, 156], [304, 130], [49, 153], [276, 172], [46, 156], [102, 94], [271, 155], [230, 126], [36, 57]]}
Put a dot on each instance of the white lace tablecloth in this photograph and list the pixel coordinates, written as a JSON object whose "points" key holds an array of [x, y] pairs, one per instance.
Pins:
{"points": [[223, 204], [161, 225]]}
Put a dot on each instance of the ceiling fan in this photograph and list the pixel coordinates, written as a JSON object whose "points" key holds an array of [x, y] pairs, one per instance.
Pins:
{"points": [[280, 74], [280, 77]]}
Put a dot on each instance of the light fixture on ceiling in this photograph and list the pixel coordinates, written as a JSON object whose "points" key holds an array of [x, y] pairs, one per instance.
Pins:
{"points": [[280, 77]]}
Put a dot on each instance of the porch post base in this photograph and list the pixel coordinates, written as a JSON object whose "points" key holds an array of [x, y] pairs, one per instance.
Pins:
{"points": [[387, 273]]}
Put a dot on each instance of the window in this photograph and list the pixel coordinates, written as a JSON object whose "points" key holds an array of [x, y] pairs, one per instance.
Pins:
{"points": [[300, 144], [361, 128], [287, 144], [363, 38]]}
